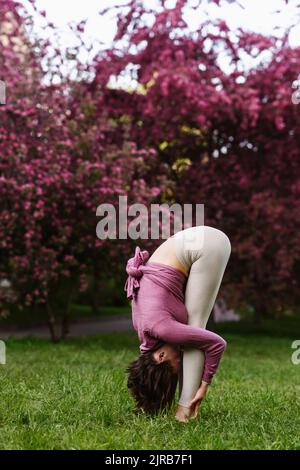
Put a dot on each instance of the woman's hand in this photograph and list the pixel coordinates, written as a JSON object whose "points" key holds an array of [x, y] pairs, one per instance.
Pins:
{"points": [[198, 398]]}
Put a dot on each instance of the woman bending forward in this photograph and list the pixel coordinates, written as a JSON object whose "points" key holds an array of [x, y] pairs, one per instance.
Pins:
{"points": [[172, 295]]}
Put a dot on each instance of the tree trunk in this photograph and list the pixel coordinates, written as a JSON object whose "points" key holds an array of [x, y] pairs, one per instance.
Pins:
{"points": [[52, 324], [65, 322], [96, 291], [95, 297]]}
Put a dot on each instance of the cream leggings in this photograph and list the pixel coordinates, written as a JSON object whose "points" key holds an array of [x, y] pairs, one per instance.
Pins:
{"points": [[204, 252]]}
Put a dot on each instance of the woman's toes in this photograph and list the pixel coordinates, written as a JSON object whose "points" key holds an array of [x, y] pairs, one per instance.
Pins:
{"points": [[181, 419], [183, 413]]}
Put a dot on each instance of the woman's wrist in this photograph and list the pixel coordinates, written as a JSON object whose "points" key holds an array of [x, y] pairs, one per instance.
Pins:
{"points": [[204, 387]]}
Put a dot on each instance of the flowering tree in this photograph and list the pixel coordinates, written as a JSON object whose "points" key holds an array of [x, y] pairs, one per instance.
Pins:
{"points": [[186, 132], [229, 138], [59, 161]]}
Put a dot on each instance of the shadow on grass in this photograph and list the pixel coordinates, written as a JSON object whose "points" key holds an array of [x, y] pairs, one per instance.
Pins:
{"points": [[285, 327], [117, 341], [30, 318]]}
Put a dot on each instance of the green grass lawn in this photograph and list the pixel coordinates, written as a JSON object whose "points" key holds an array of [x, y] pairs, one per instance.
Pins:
{"points": [[74, 396]]}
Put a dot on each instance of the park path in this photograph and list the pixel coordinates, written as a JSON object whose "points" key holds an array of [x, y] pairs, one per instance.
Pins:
{"points": [[83, 327]]}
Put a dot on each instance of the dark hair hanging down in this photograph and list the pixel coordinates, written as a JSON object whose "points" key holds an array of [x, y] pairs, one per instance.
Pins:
{"points": [[152, 385]]}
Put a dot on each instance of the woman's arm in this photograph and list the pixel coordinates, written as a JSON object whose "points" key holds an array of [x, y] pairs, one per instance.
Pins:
{"points": [[213, 345], [199, 397]]}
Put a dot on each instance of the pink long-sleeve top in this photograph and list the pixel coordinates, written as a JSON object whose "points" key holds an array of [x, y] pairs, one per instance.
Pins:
{"points": [[159, 314]]}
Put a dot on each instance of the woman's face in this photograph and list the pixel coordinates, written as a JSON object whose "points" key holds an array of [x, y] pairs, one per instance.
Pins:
{"points": [[168, 352]]}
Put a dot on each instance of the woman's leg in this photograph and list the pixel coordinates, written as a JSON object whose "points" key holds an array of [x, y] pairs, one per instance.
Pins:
{"points": [[206, 251]]}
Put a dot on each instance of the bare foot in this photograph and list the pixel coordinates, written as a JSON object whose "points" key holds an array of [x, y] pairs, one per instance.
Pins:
{"points": [[184, 413]]}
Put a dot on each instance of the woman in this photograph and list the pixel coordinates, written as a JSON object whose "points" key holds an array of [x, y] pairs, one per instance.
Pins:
{"points": [[172, 294]]}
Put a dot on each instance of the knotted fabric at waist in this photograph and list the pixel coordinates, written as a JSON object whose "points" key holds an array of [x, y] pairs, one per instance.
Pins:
{"points": [[134, 271], [158, 274]]}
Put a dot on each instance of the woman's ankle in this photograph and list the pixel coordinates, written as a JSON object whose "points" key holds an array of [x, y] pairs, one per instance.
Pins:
{"points": [[184, 412]]}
